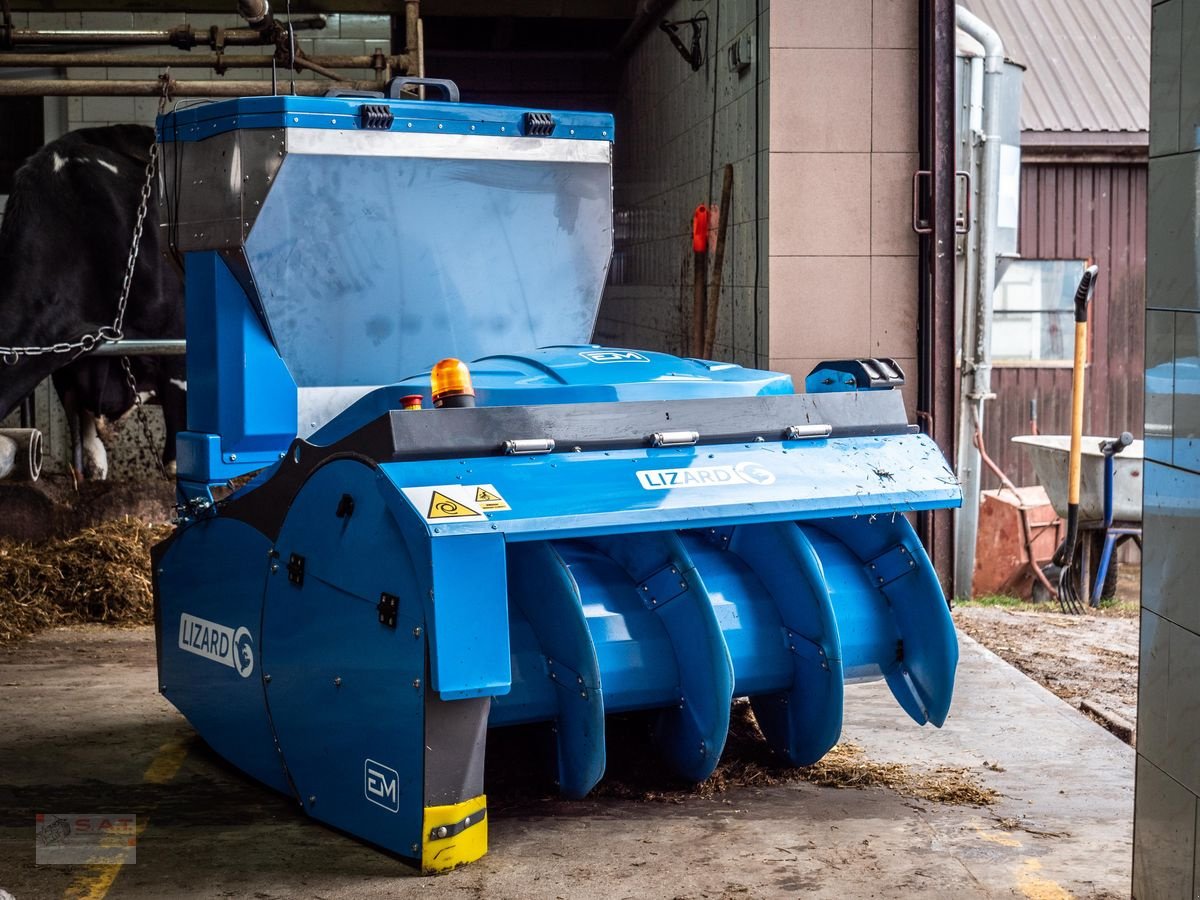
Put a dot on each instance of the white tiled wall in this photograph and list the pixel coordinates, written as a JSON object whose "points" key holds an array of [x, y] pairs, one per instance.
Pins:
{"points": [[829, 117], [676, 130]]}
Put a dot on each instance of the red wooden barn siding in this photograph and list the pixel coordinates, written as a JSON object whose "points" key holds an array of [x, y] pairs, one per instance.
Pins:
{"points": [[1077, 211]]}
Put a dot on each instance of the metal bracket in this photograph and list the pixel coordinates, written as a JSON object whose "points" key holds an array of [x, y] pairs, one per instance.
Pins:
{"points": [[807, 648], [566, 678], [663, 586], [389, 606], [448, 831], [962, 217], [890, 565], [695, 53], [295, 569]]}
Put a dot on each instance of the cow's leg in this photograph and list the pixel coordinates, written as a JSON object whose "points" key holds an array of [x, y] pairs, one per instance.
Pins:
{"points": [[95, 457], [71, 411]]}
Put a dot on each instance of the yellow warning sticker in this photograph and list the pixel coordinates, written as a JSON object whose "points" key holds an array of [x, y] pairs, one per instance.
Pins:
{"points": [[442, 507], [487, 497], [446, 503]]}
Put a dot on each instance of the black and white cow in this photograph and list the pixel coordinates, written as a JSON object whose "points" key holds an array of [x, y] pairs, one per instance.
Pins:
{"points": [[64, 243]]}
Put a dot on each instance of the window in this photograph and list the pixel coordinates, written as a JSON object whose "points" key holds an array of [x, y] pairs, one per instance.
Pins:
{"points": [[1033, 311]]}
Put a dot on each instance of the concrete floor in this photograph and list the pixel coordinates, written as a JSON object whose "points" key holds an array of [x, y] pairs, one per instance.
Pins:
{"points": [[82, 730]]}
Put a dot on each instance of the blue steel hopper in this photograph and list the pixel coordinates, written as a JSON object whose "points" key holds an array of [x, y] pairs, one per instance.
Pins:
{"points": [[605, 530]]}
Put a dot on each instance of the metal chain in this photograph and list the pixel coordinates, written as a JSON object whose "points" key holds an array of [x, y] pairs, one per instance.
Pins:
{"points": [[115, 331], [143, 206]]}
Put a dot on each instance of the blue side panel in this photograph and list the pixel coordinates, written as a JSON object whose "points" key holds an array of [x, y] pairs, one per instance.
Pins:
{"points": [[238, 387], [209, 643], [468, 617], [345, 693]]}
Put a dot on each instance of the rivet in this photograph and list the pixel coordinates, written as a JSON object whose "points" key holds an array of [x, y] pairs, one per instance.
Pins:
{"points": [[417, 631], [583, 694], [467, 820], [233, 457], [417, 683], [162, 688], [274, 568], [267, 678], [337, 682], [312, 799], [415, 847], [440, 127], [441, 832]]}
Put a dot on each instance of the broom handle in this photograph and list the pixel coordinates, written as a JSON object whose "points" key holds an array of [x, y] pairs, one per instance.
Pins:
{"points": [[1086, 284], [1077, 414]]}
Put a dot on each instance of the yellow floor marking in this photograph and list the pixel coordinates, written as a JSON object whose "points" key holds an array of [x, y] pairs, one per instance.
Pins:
{"points": [[95, 883], [1035, 888], [165, 766], [996, 837]]}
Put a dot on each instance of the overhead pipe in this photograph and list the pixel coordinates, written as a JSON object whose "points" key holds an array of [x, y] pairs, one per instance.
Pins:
{"points": [[378, 61], [185, 37], [49, 87], [976, 374]]}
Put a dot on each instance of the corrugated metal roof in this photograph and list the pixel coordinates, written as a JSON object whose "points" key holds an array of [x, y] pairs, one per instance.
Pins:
{"points": [[1087, 61]]}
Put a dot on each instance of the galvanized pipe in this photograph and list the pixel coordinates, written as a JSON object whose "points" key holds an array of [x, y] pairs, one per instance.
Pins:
{"points": [[133, 347], [189, 61], [183, 36], [977, 328], [49, 87]]}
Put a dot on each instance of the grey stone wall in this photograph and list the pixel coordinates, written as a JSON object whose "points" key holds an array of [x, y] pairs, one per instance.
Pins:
{"points": [[1166, 860]]}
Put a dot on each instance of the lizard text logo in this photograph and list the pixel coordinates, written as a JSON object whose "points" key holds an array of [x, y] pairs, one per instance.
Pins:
{"points": [[219, 643], [705, 476]]}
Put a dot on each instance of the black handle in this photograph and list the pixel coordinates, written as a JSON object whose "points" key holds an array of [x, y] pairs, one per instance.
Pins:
{"points": [[1112, 448], [448, 88], [1084, 292], [366, 95]]}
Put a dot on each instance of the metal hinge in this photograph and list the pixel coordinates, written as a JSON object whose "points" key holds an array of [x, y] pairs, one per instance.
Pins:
{"points": [[388, 607], [295, 569]]}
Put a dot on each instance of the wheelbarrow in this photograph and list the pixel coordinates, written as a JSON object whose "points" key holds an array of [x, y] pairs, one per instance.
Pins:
{"points": [[1110, 497]]}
